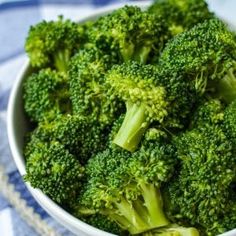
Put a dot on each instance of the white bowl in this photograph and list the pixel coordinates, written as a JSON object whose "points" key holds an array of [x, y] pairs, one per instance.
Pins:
{"points": [[18, 126]]}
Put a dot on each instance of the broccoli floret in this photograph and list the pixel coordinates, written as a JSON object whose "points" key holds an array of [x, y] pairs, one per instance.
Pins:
{"points": [[131, 33], [200, 192], [89, 95], [181, 15], [230, 121], [149, 96], [208, 112], [52, 43], [204, 54], [51, 168], [78, 134], [125, 186], [46, 95]]}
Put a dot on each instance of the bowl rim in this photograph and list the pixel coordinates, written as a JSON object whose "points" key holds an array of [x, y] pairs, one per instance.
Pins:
{"points": [[45, 202]]}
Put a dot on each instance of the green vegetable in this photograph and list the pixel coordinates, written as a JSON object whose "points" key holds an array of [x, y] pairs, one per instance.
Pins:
{"points": [[78, 134], [150, 95], [201, 193], [52, 43], [51, 168], [205, 54], [130, 33], [46, 95], [126, 187], [88, 92], [181, 15]]}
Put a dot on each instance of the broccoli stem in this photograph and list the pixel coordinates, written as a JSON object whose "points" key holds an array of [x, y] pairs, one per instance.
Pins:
{"points": [[153, 203], [226, 87], [127, 51], [141, 55], [142, 215], [61, 59], [133, 127]]}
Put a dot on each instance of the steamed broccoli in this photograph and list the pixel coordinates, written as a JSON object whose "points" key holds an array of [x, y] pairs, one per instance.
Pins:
{"points": [[130, 33], [181, 15], [53, 43], [46, 95], [150, 95], [88, 92], [206, 55], [78, 134], [51, 168], [200, 192], [125, 187], [208, 112]]}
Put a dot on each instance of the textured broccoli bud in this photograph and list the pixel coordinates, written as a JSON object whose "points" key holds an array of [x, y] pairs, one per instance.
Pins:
{"points": [[181, 15], [89, 94], [130, 33], [46, 95], [149, 96], [208, 112], [200, 193], [51, 168], [53, 43], [78, 134], [126, 187], [204, 54]]}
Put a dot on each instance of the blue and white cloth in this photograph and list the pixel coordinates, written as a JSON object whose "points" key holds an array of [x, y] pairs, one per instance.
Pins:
{"points": [[20, 214]]}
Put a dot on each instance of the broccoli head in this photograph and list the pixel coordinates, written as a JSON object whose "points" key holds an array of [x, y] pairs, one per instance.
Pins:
{"points": [[88, 92], [78, 134], [181, 15], [125, 186], [52, 43], [150, 96], [204, 54], [208, 112], [51, 168], [200, 192], [131, 32], [46, 95]]}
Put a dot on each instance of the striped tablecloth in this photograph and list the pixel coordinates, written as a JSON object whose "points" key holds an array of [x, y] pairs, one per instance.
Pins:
{"points": [[20, 215]]}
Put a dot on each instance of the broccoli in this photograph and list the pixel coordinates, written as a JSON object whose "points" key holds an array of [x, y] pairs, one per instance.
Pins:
{"points": [[181, 15], [130, 33], [200, 192], [46, 95], [51, 168], [78, 134], [125, 186], [88, 92], [150, 95], [206, 56], [208, 112], [53, 43]]}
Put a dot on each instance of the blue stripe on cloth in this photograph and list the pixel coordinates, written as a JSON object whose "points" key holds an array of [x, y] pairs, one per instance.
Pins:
{"points": [[3, 203], [4, 100], [16, 180]]}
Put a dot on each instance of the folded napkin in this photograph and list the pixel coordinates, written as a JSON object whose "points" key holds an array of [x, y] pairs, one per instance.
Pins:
{"points": [[20, 214]]}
